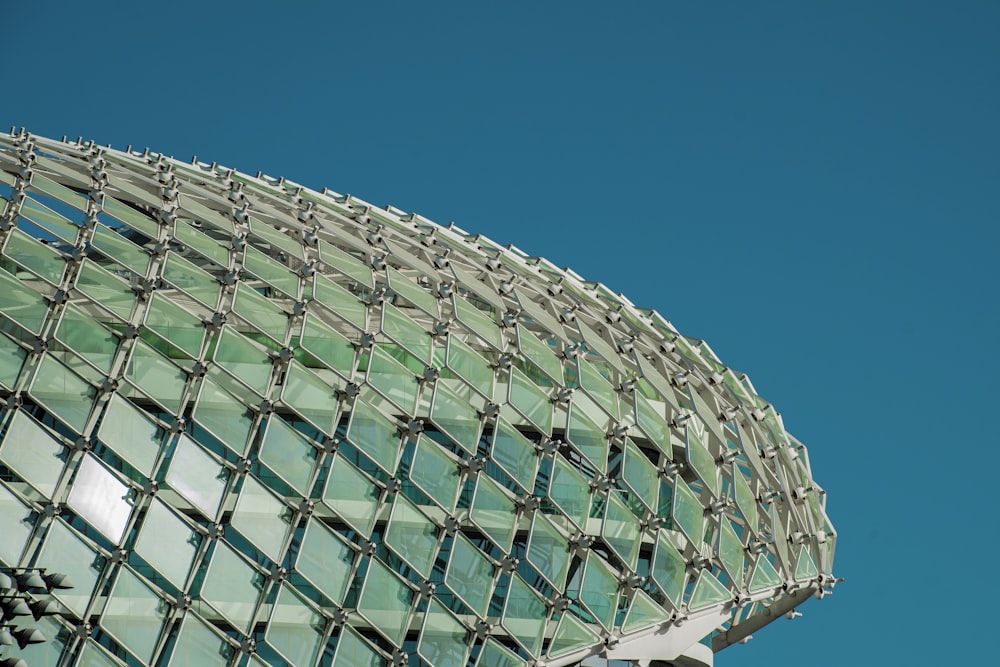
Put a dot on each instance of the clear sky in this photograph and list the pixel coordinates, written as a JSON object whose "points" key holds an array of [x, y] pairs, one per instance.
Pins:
{"points": [[814, 188]]}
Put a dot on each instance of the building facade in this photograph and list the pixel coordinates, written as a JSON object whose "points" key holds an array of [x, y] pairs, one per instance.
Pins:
{"points": [[261, 425]]}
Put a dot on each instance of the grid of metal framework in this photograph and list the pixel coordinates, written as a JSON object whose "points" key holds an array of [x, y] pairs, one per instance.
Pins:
{"points": [[257, 424]]}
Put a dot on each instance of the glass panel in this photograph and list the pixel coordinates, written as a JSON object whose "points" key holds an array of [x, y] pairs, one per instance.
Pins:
{"points": [[88, 338], [194, 281], [289, 454], [129, 216], [455, 417], [346, 263], [588, 438], [156, 376], [621, 530], [531, 401], [11, 360], [570, 491], [262, 518], [599, 590], [353, 496], [278, 239], [49, 221], [223, 416], [598, 387], [548, 551], [244, 359], [436, 473], [540, 354], [198, 644], [470, 366], [202, 244], [513, 452], [571, 635], [393, 380], [407, 333], [668, 569], [418, 296], [35, 256], [374, 434], [120, 250], [478, 322], [495, 655], [326, 561], [524, 614], [328, 346], [353, 651], [805, 566], [494, 512], [63, 551], [470, 575], [16, 521], [32, 453], [131, 434], [730, 550], [340, 301], [764, 576], [271, 271], [175, 324], [687, 513], [385, 602], [640, 476], [295, 630], [106, 289], [643, 613], [307, 394], [443, 640], [196, 476], [134, 615], [652, 424], [260, 312], [22, 304], [167, 543], [92, 655], [708, 592], [100, 499], [411, 535], [59, 192], [232, 587], [702, 462]]}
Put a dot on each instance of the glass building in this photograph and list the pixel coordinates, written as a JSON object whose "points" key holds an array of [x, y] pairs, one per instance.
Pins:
{"points": [[261, 425]]}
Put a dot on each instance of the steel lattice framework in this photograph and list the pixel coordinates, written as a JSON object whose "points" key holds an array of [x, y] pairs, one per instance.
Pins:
{"points": [[258, 424]]}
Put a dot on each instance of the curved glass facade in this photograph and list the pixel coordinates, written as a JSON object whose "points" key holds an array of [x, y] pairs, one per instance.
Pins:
{"points": [[257, 424]]}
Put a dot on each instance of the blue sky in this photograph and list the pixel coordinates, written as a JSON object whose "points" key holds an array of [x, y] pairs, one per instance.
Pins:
{"points": [[811, 187]]}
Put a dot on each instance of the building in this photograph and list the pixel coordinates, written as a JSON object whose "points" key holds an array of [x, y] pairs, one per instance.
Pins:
{"points": [[257, 424]]}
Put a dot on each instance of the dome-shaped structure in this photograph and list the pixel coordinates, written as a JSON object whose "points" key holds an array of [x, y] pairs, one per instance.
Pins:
{"points": [[257, 424]]}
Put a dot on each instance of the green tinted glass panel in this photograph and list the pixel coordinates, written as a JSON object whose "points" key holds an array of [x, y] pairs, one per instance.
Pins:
{"points": [[32, 453], [393, 380], [346, 263], [653, 424], [197, 644], [687, 512], [708, 592], [589, 438], [730, 550], [764, 576], [307, 394], [598, 387], [196, 476], [374, 434], [340, 301], [515, 453], [101, 499], [702, 462], [418, 296], [167, 543], [130, 216], [385, 602], [668, 569], [201, 243], [49, 220], [134, 615], [295, 629], [478, 322], [548, 551], [63, 393], [443, 640], [493, 512], [524, 614], [260, 312], [326, 561], [540, 354], [272, 272], [621, 530], [16, 521], [331, 348], [11, 360], [222, 415], [37, 257], [232, 587], [353, 651], [455, 417], [436, 473], [805, 566], [570, 491], [131, 434], [157, 376], [175, 324], [63, 551], [59, 192], [194, 281], [470, 366], [640, 476], [353, 496], [22, 304], [643, 613], [531, 401], [106, 289], [88, 338], [398, 326], [571, 635], [262, 518], [244, 359], [120, 249], [285, 451], [470, 575], [411, 535], [599, 590]]}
